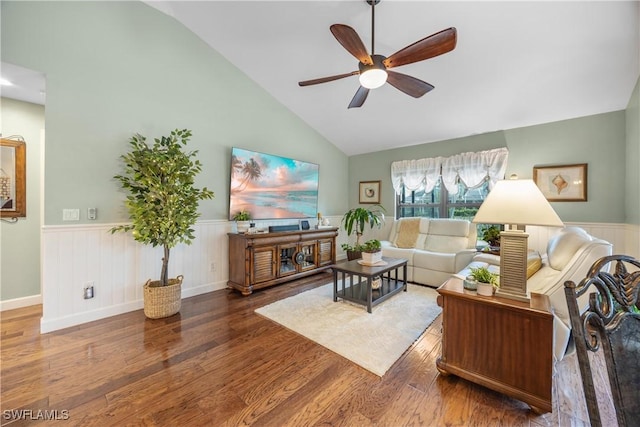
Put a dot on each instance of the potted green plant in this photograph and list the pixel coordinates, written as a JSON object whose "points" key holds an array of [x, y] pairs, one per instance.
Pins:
{"points": [[485, 279], [242, 219], [491, 235], [163, 206], [371, 251], [355, 220]]}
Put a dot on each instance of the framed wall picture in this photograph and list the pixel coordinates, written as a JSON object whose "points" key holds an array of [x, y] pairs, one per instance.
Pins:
{"points": [[369, 191], [13, 179], [562, 183]]}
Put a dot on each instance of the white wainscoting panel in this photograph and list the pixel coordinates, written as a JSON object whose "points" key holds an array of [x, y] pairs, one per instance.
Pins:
{"points": [[616, 234], [118, 266], [632, 239]]}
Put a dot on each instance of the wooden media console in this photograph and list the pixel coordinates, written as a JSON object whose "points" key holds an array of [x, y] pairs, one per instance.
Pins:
{"points": [[265, 259]]}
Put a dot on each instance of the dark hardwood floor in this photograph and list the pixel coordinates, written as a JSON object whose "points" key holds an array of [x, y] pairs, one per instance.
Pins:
{"points": [[219, 363]]}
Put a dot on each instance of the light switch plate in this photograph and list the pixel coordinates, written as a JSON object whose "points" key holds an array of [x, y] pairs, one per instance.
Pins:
{"points": [[71, 214]]}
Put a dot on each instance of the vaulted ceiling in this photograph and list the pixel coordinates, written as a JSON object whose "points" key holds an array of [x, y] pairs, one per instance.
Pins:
{"points": [[516, 63]]}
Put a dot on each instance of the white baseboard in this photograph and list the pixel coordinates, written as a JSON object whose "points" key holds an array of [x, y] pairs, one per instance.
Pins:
{"points": [[203, 289], [50, 325], [20, 302]]}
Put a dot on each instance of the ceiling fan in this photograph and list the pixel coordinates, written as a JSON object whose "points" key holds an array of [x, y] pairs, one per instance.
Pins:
{"points": [[373, 70]]}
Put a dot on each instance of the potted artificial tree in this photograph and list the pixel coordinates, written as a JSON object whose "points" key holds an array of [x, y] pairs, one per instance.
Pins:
{"points": [[163, 206], [355, 220]]}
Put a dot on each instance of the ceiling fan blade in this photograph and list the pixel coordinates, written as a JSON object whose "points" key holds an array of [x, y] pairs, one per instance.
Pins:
{"points": [[429, 47], [359, 97], [327, 79], [407, 84], [350, 40]]}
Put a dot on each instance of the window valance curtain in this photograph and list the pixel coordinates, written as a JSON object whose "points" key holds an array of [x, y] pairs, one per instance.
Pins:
{"points": [[470, 168], [415, 174]]}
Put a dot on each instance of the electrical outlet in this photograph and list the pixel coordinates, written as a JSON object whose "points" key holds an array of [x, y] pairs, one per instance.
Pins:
{"points": [[88, 291], [212, 267]]}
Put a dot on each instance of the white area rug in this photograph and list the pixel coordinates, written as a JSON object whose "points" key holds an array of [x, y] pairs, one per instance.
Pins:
{"points": [[374, 341]]}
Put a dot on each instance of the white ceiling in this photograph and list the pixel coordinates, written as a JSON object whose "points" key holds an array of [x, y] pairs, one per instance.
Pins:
{"points": [[26, 85], [516, 63]]}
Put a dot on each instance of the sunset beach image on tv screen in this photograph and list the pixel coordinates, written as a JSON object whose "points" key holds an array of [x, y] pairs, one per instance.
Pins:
{"points": [[272, 187]]}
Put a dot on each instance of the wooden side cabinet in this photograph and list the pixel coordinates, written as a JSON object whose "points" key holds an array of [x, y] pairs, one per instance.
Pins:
{"points": [[499, 343], [266, 259]]}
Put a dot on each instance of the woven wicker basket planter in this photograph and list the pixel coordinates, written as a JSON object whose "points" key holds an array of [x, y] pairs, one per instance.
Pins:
{"points": [[162, 301]]}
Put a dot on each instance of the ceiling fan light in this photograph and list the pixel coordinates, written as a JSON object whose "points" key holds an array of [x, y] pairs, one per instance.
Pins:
{"points": [[373, 78]]}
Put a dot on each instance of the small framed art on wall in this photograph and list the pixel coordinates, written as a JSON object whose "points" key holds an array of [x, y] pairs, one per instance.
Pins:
{"points": [[562, 183], [369, 192]]}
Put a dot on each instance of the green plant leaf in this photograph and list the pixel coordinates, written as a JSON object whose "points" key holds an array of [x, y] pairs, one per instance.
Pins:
{"points": [[162, 199]]}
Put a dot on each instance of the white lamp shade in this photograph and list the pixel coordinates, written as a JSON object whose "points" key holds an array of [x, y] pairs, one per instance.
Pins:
{"points": [[518, 202]]}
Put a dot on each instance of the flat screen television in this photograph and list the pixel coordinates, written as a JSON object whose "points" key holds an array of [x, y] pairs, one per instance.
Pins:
{"points": [[272, 187]]}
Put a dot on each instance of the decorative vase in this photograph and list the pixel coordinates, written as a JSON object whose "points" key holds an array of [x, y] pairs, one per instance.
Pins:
{"points": [[485, 289], [162, 301], [371, 257], [243, 226], [470, 284], [376, 282]]}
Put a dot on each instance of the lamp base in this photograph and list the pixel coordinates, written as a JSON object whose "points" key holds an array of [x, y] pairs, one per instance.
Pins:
{"points": [[513, 265], [514, 295]]}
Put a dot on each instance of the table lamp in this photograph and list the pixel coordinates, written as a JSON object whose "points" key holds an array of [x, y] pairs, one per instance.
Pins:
{"points": [[515, 202]]}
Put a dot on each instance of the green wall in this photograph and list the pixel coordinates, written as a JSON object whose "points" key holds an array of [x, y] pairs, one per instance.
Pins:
{"points": [[20, 241], [116, 68], [598, 140]]}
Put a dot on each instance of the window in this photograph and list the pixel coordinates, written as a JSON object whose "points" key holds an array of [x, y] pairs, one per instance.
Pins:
{"points": [[439, 203]]}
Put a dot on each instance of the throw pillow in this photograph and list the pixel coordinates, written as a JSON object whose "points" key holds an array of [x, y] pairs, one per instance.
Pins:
{"points": [[534, 263], [408, 232]]}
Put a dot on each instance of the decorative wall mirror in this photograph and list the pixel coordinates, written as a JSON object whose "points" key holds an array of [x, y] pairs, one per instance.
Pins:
{"points": [[13, 178]]}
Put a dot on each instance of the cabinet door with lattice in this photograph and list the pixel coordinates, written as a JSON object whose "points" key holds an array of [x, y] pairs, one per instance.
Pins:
{"points": [[264, 265], [327, 251]]}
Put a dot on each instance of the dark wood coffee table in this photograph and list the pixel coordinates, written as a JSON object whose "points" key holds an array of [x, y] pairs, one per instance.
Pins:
{"points": [[356, 280]]}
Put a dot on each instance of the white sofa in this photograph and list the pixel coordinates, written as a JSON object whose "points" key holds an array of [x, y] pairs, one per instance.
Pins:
{"points": [[569, 255], [435, 248]]}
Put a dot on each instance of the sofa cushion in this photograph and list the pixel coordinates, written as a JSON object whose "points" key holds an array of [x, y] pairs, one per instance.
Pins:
{"points": [[422, 231], [445, 244], [435, 260], [393, 252], [450, 227], [493, 268], [447, 235], [564, 245]]}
